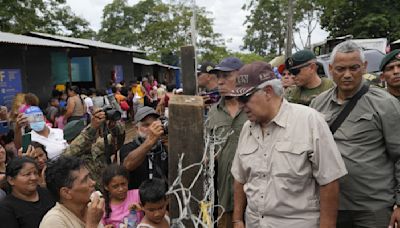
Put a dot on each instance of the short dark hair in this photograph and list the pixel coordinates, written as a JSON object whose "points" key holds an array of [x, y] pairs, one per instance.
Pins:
{"points": [[16, 164], [59, 173], [153, 191]]}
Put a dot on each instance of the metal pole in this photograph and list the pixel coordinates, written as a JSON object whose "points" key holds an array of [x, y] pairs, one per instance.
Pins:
{"points": [[289, 37]]}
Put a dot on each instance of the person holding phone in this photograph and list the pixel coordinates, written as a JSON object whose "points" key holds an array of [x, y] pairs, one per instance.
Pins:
{"points": [[51, 138]]}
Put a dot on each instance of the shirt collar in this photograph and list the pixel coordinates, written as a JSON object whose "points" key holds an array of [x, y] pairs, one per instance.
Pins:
{"points": [[281, 118], [335, 90]]}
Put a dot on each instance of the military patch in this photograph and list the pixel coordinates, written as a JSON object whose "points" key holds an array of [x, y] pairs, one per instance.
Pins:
{"points": [[290, 62], [209, 68]]}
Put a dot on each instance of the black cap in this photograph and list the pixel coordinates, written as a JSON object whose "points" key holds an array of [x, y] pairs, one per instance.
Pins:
{"points": [[206, 67], [393, 55], [144, 112]]}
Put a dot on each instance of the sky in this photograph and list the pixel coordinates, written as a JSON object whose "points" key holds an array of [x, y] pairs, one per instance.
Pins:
{"points": [[228, 18]]}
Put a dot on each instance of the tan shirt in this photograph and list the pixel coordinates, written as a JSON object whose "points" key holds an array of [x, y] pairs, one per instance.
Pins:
{"points": [[282, 170], [79, 108], [60, 217]]}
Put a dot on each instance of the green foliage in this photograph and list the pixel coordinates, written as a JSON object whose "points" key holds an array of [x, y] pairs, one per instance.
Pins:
{"points": [[362, 19], [158, 28], [48, 16], [267, 24]]}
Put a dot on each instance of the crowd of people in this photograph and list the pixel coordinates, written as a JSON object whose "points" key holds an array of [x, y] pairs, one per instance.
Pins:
{"points": [[302, 150]]}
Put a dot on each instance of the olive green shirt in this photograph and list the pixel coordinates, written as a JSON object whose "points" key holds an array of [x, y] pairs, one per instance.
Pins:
{"points": [[304, 96], [221, 123], [369, 141]]}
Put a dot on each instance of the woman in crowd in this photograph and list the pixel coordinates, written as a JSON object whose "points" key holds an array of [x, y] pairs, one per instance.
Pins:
{"points": [[75, 105], [27, 203], [3, 158], [118, 200], [37, 152]]}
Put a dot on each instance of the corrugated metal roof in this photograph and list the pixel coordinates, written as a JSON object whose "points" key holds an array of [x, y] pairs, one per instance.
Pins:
{"points": [[11, 38], [151, 63], [86, 42]]}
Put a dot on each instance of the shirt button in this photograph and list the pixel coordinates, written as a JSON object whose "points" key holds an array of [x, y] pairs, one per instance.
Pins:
{"points": [[263, 175], [262, 216], [262, 197], [265, 155]]}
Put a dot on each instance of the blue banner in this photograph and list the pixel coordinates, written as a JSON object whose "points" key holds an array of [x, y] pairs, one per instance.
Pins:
{"points": [[10, 85]]}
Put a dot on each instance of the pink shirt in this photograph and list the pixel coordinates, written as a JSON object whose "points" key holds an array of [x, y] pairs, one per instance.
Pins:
{"points": [[120, 211], [60, 122]]}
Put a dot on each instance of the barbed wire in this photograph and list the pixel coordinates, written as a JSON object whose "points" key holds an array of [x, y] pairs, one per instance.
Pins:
{"points": [[215, 140]]}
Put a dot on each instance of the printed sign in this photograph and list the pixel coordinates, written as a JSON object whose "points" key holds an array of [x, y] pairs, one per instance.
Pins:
{"points": [[10, 85]]}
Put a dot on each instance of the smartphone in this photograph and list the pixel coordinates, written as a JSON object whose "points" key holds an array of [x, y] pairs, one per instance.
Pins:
{"points": [[4, 128], [26, 141]]}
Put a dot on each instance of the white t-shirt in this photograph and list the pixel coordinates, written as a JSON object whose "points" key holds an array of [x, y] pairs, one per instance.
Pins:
{"points": [[54, 144], [89, 104]]}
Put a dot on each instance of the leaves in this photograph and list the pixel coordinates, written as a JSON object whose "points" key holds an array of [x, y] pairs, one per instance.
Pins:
{"points": [[362, 19], [159, 28], [48, 16]]}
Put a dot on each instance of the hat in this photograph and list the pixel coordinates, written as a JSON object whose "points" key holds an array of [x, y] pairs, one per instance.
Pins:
{"points": [[393, 55], [252, 75], [299, 58], [143, 112], [73, 129], [119, 85], [206, 67], [229, 64]]}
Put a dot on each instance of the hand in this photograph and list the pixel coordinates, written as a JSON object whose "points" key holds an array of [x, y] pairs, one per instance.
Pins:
{"points": [[239, 225], [98, 118], [21, 121], [95, 212], [155, 131], [30, 152], [395, 219], [135, 206]]}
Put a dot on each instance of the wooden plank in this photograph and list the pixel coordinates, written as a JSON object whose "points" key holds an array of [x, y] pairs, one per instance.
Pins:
{"points": [[189, 79], [185, 136]]}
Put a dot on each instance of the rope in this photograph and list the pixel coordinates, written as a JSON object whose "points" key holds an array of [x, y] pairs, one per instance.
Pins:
{"points": [[214, 143]]}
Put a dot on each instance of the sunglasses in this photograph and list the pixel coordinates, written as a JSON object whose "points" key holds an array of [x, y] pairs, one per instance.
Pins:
{"points": [[246, 97], [296, 71]]}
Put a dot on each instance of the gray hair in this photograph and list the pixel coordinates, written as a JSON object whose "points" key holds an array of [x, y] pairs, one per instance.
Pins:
{"points": [[276, 85], [347, 47]]}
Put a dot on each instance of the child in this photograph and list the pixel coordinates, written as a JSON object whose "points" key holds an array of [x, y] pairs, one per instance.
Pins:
{"points": [[154, 204], [59, 122], [118, 200]]}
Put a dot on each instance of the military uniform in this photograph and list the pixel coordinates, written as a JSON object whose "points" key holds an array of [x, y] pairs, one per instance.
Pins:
{"points": [[304, 96], [90, 148]]}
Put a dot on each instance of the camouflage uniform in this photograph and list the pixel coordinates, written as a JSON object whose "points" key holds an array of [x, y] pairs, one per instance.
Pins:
{"points": [[304, 96], [90, 148]]}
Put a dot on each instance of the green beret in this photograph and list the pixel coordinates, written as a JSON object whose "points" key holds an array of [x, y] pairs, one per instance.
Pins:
{"points": [[73, 129], [299, 58], [393, 55]]}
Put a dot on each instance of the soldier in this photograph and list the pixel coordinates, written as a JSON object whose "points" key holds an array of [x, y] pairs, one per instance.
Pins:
{"points": [[303, 66], [390, 67]]}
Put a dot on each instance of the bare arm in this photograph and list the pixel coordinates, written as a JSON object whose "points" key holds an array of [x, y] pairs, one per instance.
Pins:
{"points": [[329, 199], [70, 109], [239, 204], [136, 157]]}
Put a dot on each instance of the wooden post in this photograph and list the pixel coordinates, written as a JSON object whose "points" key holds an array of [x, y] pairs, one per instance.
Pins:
{"points": [[188, 70], [185, 135]]}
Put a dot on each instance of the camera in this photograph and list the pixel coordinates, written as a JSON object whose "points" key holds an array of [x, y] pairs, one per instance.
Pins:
{"points": [[111, 114], [164, 122]]}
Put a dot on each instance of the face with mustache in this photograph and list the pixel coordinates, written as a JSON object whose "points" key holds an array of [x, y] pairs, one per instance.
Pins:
{"points": [[347, 70], [391, 74]]}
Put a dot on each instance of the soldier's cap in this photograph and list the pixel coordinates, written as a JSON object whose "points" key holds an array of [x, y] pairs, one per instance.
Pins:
{"points": [[299, 58], [250, 76], [390, 57], [229, 64], [73, 129], [206, 67], [143, 112]]}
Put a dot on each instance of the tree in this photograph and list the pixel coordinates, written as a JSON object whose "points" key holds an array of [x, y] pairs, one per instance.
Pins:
{"points": [[158, 28], [48, 16], [362, 19], [266, 24]]}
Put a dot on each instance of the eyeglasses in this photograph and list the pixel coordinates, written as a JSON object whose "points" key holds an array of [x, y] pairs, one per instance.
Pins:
{"points": [[246, 97], [296, 71]]}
